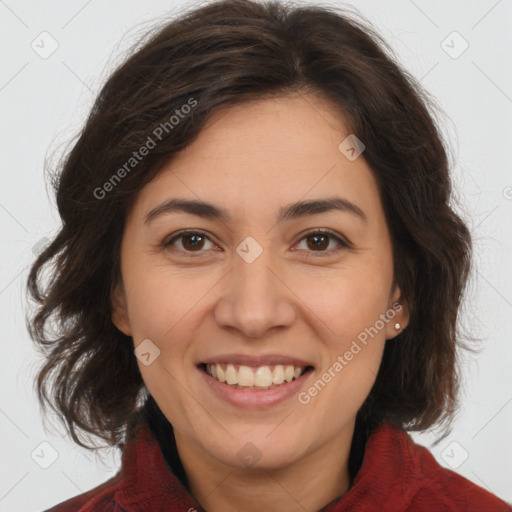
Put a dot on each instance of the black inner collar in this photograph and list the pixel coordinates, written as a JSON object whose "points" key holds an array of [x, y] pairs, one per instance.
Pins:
{"points": [[163, 432]]}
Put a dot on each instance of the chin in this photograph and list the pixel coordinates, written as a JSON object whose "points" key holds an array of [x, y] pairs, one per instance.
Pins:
{"points": [[256, 449]]}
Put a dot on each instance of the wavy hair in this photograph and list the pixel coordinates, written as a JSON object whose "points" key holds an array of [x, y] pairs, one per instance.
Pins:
{"points": [[218, 55]]}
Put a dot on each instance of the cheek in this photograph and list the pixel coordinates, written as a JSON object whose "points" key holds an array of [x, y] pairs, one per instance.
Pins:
{"points": [[350, 306], [161, 297], [349, 303]]}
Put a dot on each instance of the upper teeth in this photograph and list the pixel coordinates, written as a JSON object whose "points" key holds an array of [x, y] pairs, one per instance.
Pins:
{"points": [[262, 376]]}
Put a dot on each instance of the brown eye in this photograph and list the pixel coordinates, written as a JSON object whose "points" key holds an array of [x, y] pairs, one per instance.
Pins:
{"points": [[318, 242], [191, 241]]}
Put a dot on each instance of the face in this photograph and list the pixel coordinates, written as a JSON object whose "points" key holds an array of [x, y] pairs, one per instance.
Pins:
{"points": [[257, 286]]}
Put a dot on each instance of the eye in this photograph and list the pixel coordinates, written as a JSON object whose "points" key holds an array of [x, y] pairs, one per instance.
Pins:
{"points": [[320, 239], [316, 242], [191, 241]]}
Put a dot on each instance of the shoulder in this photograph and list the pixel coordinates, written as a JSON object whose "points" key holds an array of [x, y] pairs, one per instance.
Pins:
{"points": [[398, 475], [436, 485], [96, 499], [103, 497]]}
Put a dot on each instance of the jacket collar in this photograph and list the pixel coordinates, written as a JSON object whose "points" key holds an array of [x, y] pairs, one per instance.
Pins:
{"points": [[149, 484]]}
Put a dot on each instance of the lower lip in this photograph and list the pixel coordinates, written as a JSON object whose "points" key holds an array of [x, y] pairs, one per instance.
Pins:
{"points": [[253, 398]]}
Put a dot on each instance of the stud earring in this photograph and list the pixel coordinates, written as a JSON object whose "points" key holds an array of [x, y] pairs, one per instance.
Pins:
{"points": [[397, 326]]}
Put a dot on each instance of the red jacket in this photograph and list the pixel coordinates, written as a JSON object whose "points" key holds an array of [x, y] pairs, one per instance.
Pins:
{"points": [[397, 475]]}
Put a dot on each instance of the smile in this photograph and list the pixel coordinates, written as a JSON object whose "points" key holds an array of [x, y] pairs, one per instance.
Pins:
{"points": [[254, 378]]}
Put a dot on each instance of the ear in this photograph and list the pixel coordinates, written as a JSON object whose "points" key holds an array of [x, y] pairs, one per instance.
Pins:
{"points": [[118, 303], [398, 313]]}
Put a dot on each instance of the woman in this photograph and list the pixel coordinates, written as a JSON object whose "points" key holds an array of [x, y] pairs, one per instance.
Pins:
{"points": [[257, 281]]}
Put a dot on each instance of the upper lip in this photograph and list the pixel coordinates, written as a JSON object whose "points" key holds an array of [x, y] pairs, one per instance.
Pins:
{"points": [[254, 361]]}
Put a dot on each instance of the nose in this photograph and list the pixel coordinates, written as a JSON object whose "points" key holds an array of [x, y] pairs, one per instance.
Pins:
{"points": [[255, 298]]}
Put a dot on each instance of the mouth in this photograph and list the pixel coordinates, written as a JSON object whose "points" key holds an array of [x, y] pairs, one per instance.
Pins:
{"points": [[254, 378]]}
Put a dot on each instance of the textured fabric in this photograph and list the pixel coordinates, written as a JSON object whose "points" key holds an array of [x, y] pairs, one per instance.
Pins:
{"points": [[397, 475]]}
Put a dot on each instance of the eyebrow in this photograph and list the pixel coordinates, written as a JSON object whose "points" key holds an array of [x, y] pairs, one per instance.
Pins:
{"points": [[291, 211]]}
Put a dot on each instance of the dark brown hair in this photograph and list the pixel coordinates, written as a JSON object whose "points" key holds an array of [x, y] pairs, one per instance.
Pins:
{"points": [[219, 55]]}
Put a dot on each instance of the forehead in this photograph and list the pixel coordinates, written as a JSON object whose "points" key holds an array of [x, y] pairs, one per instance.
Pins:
{"points": [[282, 129], [259, 155]]}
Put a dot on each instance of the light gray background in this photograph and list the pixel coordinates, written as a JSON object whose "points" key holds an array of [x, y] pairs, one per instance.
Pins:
{"points": [[43, 104]]}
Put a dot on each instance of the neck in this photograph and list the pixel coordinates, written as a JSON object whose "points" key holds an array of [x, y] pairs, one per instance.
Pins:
{"points": [[308, 484]]}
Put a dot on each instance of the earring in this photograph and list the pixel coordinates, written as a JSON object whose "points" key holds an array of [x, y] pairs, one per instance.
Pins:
{"points": [[397, 326]]}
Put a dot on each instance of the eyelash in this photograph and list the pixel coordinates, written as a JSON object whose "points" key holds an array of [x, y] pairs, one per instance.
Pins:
{"points": [[342, 243]]}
